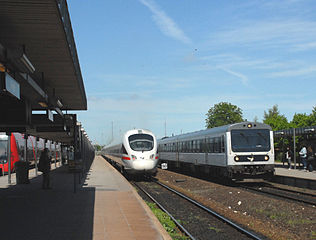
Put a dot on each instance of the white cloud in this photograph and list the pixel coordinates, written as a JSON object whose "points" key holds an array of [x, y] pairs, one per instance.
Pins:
{"points": [[165, 23], [285, 34], [295, 72], [305, 46], [242, 77]]}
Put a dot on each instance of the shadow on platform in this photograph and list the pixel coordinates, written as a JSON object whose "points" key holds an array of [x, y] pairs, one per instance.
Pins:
{"points": [[28, 212]]}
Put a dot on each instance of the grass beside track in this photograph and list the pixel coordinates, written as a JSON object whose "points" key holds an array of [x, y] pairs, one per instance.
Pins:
{"points": [[167, 222]]}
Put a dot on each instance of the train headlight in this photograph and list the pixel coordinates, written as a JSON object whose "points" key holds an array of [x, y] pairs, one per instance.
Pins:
{"points": [[249, 125], [266, 158], [236, 158], [134, 157], [152, 156]]}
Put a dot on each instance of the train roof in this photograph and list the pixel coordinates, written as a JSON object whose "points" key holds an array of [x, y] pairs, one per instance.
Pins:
{"points": [[127, 134], [217, 130]]}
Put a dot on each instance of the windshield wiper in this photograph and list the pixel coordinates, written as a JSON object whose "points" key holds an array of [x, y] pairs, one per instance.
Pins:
{"points": [[262, 136], [243, 135]]}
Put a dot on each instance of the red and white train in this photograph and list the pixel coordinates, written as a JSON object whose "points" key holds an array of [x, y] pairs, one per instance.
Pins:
{"points": [[17, 144]]}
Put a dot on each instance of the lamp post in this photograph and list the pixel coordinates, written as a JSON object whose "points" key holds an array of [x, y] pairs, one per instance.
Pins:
{"points": [[294, 148]]}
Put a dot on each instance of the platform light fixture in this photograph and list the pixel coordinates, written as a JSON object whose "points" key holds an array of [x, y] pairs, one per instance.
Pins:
{"points": [[27, 63], [2, 67], [59, 103], [43, 104], [309, 130]]}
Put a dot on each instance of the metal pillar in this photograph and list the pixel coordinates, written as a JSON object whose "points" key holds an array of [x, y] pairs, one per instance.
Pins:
{"points": [[25, 148], [55, 155], [9, 158], [36, 151], [294, 148], [26, 159], [50, 149]]}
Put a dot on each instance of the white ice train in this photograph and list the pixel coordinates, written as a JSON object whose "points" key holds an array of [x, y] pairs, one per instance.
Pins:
{"points": [[136, 154], [236, 151]]}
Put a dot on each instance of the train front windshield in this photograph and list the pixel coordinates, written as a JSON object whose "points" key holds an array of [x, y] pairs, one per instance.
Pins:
{"points": [[141, 142], [251, 140], [3, 151]]}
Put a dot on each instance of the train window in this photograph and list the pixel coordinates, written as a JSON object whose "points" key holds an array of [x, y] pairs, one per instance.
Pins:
{"points": [[196, 146], [206, 145], [141, 142], [199, 142], [193, 146], [217, 146], [123, 150], [222, 144], [3, 151], [250, 140], [211, 145], [201, 145]]}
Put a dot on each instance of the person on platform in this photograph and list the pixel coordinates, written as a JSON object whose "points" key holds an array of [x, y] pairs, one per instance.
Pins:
{"points": [[288, 156], [44, 166], [303, 155], [310, 158]]}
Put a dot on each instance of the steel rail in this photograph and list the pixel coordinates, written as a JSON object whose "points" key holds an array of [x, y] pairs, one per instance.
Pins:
{"points": [[280, 195], [292, 191], [183, 229], [236, 226]]}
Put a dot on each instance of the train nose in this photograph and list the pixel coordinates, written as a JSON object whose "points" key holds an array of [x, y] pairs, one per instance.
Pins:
{"points": [[143, 164]]}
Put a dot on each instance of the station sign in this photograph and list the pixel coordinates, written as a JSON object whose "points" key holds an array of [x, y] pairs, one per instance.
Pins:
{"points": [[10, 85]]}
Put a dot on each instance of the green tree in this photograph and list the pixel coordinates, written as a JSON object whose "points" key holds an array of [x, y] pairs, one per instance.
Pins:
{"points": [[312, 118], [223, 113], [277, 122], [275, 119], [97, 147], [300, 120]]}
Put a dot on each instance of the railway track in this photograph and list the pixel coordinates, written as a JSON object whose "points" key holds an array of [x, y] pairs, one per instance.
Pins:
{"points": [[288, 194], [196, 220]]}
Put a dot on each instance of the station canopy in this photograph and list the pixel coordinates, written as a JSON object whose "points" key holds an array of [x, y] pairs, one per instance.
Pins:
{"points": [[301, 131], [39, 68]]}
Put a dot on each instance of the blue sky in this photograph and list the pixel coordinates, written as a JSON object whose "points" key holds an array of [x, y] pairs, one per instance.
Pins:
{"points": [[147, 62]]}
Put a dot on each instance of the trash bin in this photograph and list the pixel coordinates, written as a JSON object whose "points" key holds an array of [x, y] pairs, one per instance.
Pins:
{"points": [[22, 172]]}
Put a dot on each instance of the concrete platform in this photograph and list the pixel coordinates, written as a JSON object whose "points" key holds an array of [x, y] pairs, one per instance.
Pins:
{"points": [[105, 206], [297, 173], [295, 177]]}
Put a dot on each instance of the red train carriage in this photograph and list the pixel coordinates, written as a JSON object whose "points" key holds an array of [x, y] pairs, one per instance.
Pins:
{"points": [[18, 148], [4, 165]]}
